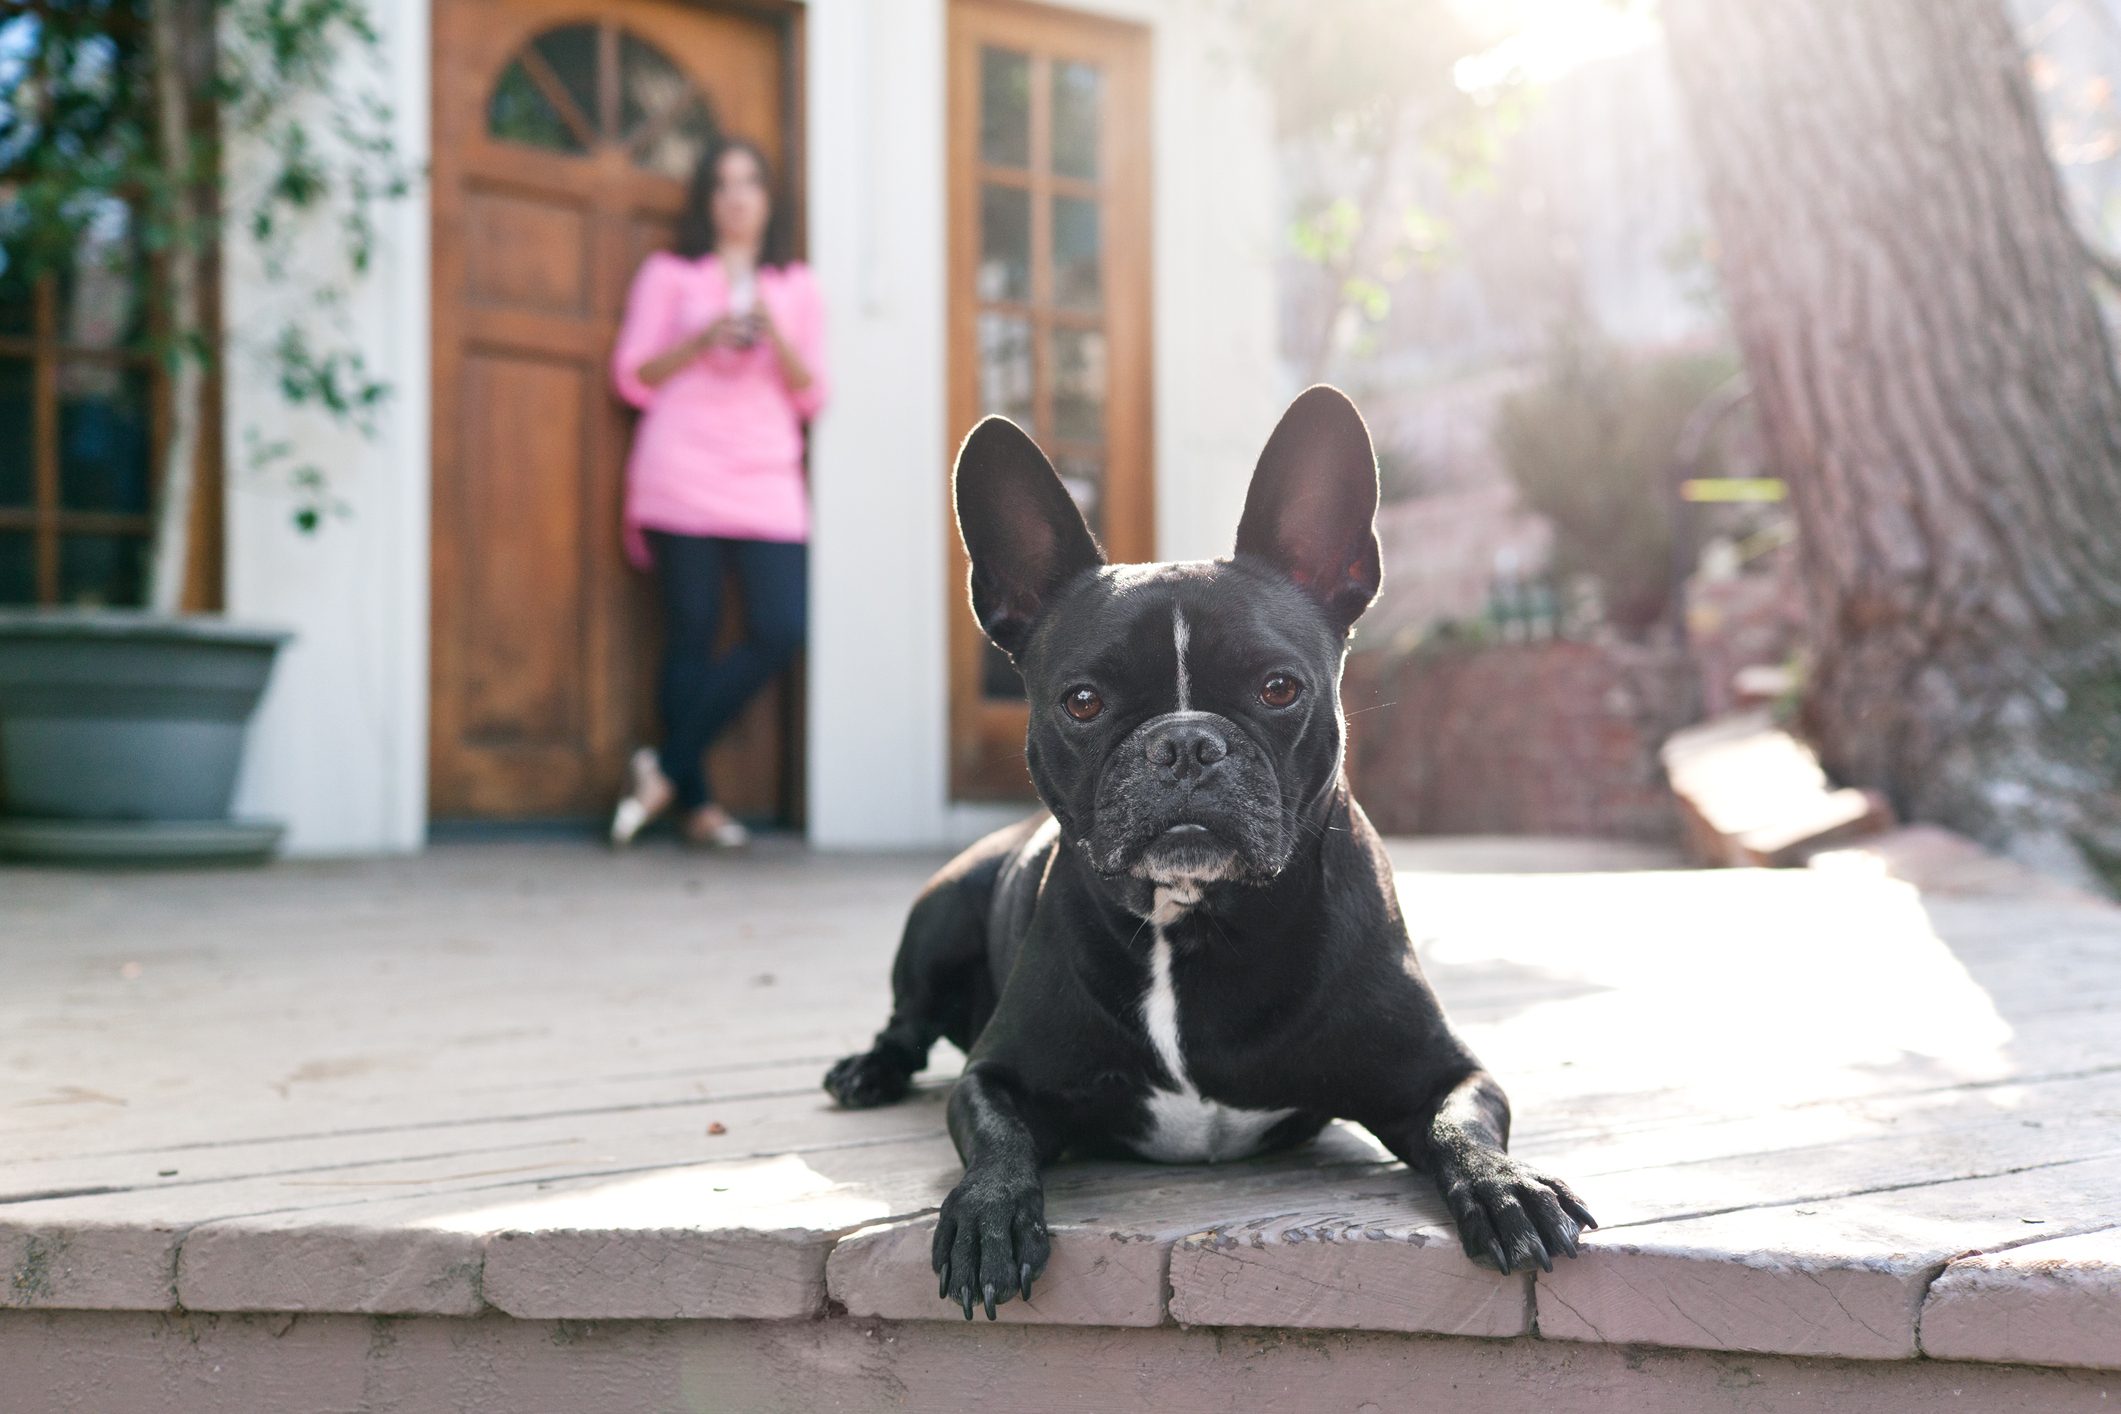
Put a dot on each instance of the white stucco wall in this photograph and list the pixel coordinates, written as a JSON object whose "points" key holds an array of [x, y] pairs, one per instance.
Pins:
{"points": [[878, 715], [340, 747]]}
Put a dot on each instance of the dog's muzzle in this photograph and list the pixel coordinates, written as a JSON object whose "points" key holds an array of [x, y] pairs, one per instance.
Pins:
{"points": [[1188, 796]]}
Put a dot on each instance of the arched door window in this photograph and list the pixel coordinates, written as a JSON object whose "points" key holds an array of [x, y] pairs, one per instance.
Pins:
{"points": [[580, 88]]}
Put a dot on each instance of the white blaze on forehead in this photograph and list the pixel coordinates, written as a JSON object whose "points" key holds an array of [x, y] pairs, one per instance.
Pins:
{"points": [[1178, 638]]}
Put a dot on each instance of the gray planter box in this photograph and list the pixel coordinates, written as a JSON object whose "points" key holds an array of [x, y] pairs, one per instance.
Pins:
{"points": [[113, 717]]}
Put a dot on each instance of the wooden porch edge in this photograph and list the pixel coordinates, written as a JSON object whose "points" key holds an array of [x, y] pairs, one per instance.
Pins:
{"points": [[190, 1363], [217, 1119], [2051, 1300]]}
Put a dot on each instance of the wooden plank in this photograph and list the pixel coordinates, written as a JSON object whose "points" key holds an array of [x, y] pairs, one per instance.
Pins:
{"points": [[119, 1257], [715, 1241], [1752, 794], [236, 1231], [227, 1259], [775, 1117], [1100, 1274], [257, 1040], [1595, 968], [739, 1238], [1940, 862], [1843, 1278], [1638, 1175], [384, 1262], [2046, 1303], [1392, 1205], [1328, 1269], [1113, 1226], [1402, 1269]]}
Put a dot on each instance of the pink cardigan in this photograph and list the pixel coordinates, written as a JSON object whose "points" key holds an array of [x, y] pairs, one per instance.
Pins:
{"points": [[719, 447]]}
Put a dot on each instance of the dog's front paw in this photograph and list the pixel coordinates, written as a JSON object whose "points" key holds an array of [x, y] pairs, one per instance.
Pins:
{"points": [[991, 1242], [1510, 1215], [870, 1079]]}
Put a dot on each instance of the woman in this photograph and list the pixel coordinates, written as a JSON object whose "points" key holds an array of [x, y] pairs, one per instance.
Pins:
{"points": [[721, 349]]}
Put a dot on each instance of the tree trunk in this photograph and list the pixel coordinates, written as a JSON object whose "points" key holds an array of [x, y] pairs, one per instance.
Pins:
{"points": [[184, 256], [1935, 384]]}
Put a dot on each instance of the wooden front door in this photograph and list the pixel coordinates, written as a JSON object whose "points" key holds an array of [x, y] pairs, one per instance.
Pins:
{"points": [[564, 133], [1049, 305]]}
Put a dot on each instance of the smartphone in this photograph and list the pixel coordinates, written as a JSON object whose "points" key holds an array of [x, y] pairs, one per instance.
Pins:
{"points": [[743, 306]]}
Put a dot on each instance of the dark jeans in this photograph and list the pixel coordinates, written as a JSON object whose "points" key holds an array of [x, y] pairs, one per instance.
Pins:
{"points": [[702, 694]]}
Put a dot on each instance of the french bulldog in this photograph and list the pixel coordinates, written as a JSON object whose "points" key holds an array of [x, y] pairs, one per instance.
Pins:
{"points": [[1197, 953]]}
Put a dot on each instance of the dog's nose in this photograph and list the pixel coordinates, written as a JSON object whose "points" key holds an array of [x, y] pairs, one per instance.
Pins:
{"points": [[1185, 749]]}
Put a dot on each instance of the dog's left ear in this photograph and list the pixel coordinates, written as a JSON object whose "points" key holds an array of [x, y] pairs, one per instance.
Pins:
{"points": [[1024, 534], [1312, 507]]}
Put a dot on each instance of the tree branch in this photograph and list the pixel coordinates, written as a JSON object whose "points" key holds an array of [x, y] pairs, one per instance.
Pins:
{"points": [[1351, 259], [173, 132]]}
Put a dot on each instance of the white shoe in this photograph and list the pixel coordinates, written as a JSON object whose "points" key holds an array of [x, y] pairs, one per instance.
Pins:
{"points": [[650, 797], [723, 833]]}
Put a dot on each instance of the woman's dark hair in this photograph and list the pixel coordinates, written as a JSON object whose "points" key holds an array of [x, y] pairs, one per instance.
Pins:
{"points": [[696, 225]]}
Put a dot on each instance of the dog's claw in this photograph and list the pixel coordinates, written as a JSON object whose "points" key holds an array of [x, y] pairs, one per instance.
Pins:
{"points": [[990, 1241]]}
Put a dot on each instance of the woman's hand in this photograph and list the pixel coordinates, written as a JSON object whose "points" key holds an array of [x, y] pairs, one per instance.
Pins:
{"points": [[794, 372], [729, 331]]}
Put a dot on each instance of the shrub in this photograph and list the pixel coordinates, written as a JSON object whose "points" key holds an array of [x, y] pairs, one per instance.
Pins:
{"points": [[1590, 447]]}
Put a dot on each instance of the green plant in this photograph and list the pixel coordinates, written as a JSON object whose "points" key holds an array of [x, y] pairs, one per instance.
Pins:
{"points": [[1590, 448], [1355, 94], [191, 120]]}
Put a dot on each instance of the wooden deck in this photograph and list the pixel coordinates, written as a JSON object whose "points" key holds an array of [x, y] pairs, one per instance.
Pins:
{"points": [[556, 1116]]}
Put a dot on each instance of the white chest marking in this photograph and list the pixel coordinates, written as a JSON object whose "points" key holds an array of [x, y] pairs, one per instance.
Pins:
{"points": [[1178, 638], [1184, 1125]]}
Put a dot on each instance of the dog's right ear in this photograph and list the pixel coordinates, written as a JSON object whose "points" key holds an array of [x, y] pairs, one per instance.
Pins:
{"points": [[1312, 507], [1023, 532]]}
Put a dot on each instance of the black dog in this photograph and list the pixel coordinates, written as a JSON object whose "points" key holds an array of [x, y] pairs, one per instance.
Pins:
{"points": [[1199, 954]]}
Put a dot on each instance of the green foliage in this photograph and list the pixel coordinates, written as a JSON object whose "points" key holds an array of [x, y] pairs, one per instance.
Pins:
{"points": [[75, 126], [1357, 84], [1590, 448], [291, 86], [1327, 233]]}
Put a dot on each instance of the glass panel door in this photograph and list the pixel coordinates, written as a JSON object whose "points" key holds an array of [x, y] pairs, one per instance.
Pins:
{"points": [[1049, 302]]}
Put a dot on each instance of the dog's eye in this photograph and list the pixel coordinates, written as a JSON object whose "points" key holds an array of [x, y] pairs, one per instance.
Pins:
{"points": [[1279, 690], [1083, 703]]}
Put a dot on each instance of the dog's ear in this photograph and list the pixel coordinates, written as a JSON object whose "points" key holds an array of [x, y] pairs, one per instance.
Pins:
{"points": [[1312, 507], [1023, 532]]}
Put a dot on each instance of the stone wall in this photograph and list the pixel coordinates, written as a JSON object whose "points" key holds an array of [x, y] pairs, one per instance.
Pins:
{"points": [[1554, 738]]}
